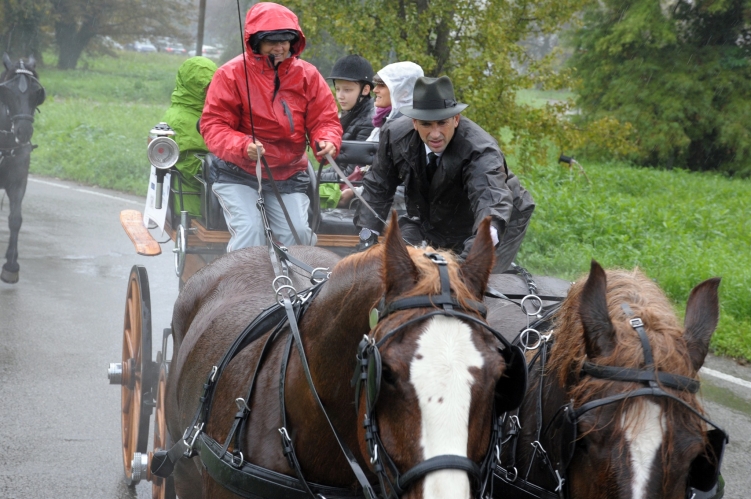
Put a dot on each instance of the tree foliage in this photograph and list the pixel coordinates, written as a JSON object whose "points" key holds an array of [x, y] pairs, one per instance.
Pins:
{"points": [[475, 42], [22, 22], [678, 71], [77, 22]]}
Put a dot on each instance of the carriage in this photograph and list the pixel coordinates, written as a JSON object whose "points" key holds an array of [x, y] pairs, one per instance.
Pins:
{"points": [[200, 240]]}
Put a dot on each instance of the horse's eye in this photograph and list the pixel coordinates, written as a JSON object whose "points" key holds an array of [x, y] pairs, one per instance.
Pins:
{"points": [[388, 375]]}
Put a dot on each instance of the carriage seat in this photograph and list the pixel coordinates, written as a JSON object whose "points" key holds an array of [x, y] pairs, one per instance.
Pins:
{"points": [[337, 221], [356, 152]]}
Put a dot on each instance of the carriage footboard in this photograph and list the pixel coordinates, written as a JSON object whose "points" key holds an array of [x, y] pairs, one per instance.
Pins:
{"points": [[145, 244]]}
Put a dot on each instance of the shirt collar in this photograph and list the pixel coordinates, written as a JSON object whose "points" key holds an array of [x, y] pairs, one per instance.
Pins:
{"points": [[428, 151]]}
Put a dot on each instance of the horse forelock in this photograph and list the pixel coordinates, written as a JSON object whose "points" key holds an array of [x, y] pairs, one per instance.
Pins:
{"points": [[648, 302], [643, 427]]}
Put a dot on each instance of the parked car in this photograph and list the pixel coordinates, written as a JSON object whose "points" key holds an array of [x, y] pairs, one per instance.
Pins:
{"points": [[209, 51], [175, 49], [141, 46]]}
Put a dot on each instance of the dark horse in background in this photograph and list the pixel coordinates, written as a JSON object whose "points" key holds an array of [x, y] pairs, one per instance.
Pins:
{"points": [[20, 95]]}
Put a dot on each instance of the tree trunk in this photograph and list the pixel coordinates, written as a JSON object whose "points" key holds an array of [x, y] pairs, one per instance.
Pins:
{"points": [[71, 41]]}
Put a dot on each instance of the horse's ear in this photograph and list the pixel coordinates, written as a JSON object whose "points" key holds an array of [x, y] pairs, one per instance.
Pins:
{"points": [[599, 334], [475, 271], [702, 314], [31, 64], [7, 62], [400, 271]]}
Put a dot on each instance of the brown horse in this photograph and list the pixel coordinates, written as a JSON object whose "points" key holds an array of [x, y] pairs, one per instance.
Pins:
{"points": [[437, 374], [622, 441]]}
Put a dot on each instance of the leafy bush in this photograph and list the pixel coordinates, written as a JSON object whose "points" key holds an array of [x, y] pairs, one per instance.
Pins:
{"points": [[677, 72]]}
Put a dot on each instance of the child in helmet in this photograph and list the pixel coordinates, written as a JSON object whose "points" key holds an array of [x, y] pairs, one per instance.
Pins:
{"points": [[352, 77]]}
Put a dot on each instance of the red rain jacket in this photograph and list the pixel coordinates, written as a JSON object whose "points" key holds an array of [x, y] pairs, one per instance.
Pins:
{"points": [[303, 103]]}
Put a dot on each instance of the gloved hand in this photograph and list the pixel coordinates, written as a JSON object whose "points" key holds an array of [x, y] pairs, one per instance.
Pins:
{"points": [[367, 243]]}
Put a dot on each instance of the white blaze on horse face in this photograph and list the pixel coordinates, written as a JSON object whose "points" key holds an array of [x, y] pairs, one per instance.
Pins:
{"points": [[440, 374], [644, 425]]}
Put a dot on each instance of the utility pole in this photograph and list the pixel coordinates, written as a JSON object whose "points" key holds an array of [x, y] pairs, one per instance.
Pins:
{"points": [[201, 22]]}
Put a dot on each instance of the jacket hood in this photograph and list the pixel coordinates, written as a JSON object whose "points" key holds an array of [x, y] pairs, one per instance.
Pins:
{"points": [[192, 80], [400, 78], [268, 16]]}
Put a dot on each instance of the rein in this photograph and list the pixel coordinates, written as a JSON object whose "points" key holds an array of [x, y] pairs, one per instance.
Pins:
{"points": [[560, 433]]}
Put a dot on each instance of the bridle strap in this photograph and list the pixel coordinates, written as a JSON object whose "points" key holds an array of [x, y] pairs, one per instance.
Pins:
{"points": [[674, 381], [431, 301], [640, 392]]}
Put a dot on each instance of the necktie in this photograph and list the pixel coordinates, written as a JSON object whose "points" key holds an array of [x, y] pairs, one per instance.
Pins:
{"points": [[432, 166]]}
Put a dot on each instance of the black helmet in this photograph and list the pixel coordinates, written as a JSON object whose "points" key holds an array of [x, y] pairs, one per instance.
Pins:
{"points": [[353, 68], [279, 35]]}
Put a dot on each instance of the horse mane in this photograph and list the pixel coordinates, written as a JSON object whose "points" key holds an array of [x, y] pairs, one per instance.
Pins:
{"points": [[648, 302]]}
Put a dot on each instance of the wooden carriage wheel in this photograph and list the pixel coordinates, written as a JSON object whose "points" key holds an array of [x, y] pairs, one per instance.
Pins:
{"points": [[136, 390], [161, 488]]}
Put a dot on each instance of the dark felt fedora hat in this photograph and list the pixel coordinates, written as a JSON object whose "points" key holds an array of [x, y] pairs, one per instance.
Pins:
{"points": [[433, 100]]}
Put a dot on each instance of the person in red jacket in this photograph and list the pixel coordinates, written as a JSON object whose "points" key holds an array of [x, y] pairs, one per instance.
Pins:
{"points": [[289, 102]]}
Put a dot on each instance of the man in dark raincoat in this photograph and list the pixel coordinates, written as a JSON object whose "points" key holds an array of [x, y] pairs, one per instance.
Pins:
{"points": [[454, 175]]}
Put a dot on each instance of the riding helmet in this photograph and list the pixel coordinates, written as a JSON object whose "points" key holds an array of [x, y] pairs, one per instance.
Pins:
{"points": [[279, 35], [353, 68]]}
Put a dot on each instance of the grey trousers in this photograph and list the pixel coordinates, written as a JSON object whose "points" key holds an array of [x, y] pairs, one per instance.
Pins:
{"points": [[246, 225]]}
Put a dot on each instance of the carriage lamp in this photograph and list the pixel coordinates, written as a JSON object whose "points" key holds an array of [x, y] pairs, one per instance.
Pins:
{"points": [[163, 153]]}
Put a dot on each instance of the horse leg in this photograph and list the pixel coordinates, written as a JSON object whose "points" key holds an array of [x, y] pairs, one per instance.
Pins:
{"points": [[10, 270]]}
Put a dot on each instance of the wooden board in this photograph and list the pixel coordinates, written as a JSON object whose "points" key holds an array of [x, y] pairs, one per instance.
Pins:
{"points": [[214, 236], [205, 236], [144, 242]]}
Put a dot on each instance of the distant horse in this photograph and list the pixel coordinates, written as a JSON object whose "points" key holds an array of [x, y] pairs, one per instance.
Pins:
{"points": [[611, 410], [422, 423], [20, 95]]}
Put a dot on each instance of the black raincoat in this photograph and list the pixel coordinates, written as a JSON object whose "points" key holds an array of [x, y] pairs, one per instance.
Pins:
{"points": [[472, 181]]}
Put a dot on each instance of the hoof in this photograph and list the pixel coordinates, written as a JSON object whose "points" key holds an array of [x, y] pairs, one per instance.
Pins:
{"points": [[9, 277]]}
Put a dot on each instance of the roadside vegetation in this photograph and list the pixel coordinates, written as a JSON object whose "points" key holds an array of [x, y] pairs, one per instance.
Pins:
{"points": [[678, 227]]}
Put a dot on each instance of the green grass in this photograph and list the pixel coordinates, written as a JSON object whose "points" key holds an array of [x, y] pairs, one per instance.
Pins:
{"points": [[679, 227], [538, 98]]}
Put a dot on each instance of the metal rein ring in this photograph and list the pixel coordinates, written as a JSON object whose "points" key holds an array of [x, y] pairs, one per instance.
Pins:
{"points": [[291, 294], [524, 339], [277, 286], [531, 297], [319, 270]]}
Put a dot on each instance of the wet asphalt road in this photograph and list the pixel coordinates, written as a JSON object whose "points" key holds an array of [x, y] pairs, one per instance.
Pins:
{"points": [[61, 326]]}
